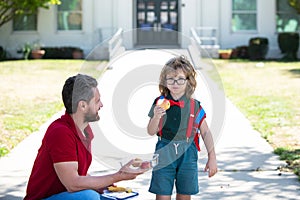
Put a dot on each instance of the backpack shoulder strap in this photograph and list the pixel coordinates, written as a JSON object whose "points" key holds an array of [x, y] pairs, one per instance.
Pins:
{"points": [[191, 119], [200, 116], [196, 129], [160, 126], [194, 122]]}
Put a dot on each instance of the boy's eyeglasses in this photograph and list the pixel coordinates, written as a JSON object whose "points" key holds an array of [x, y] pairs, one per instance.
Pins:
{"points": [[180, 81]]}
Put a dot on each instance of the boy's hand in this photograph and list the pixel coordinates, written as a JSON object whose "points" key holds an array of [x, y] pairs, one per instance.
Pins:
{"points": [[211, 166], [159, 112]]}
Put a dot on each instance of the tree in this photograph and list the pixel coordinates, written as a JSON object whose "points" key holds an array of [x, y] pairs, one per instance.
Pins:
{"points": [[295, 4], [9, 9]]}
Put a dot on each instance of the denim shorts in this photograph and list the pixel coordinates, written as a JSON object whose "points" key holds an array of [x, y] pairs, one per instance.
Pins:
{"points": [[177, 165]]}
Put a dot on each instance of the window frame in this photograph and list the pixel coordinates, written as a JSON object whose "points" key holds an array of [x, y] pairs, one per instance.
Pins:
{"points": [[70, 11], [286, 13], [26, 30], [234, 12]]}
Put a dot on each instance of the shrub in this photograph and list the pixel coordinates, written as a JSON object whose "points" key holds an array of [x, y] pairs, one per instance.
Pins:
{"points": [[240, 52], [60, 52], [289, 44], [2, 53], [258, 48]]}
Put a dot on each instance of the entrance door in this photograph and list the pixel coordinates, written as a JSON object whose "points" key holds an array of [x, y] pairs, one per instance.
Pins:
{"points": [[157, 22]]}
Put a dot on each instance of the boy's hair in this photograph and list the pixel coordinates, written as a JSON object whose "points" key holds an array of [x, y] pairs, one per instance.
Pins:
{"points": [[77, 88], [179, 62]]}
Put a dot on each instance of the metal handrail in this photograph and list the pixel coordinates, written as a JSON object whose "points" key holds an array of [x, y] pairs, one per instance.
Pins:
{"points": [[115, 43], [197, 33], [204, 41]]}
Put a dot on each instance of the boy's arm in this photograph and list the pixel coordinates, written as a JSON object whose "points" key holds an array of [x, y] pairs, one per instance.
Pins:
{"points": [[206, 135]]}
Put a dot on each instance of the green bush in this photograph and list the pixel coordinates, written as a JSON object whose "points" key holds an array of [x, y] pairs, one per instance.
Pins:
{"points": [[258, 48], [289, 44], [2, 53], [240, 52], [60, 52]]}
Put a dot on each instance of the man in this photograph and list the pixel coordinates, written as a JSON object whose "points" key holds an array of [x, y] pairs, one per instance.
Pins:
{"points": [[62, 162]]}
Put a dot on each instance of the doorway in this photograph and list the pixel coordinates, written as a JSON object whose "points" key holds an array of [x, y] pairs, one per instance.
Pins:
{"points": [[157, 22]]}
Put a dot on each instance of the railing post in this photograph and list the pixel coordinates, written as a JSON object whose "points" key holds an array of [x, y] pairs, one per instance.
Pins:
{"points": [[206, 39], [115, 44]]}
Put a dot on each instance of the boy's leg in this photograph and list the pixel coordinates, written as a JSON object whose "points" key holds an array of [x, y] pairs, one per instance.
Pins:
{"points": [[84, 194], [187, 174], [163, 197], [183, 197], [163, 175]]}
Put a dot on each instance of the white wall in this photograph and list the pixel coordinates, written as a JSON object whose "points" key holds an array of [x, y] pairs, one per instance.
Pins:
{"points": [[227, 38], [124, 18], [96, 14], [106, 14], [188, 18], [208, 13], [266, 27]]}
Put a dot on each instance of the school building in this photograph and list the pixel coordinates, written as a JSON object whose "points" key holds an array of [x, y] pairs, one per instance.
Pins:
{"points": [[217, 24]]}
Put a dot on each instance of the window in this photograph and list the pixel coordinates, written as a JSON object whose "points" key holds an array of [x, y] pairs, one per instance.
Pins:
{"points": [[243, 15], [287, 18], [69, 15], [26, 22]]}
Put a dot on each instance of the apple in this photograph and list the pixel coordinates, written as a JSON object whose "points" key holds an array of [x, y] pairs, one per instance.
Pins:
{"points": [[163, 103]]}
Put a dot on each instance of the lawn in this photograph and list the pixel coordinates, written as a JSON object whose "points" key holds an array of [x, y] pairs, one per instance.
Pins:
{"points": [[268, 94], [31, 94]]}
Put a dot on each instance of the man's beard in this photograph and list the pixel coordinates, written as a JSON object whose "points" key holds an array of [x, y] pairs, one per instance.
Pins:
{"points": [[91, 117]]}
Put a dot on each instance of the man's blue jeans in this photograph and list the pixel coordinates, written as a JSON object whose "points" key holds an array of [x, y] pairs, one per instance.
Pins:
{"points": [[84, 194]]}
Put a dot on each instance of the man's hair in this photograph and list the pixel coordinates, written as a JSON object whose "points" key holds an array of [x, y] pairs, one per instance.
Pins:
{"points": [[77, 88]]}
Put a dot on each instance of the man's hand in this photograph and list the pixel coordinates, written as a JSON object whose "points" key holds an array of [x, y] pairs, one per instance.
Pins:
{"points": [[127, 172]]}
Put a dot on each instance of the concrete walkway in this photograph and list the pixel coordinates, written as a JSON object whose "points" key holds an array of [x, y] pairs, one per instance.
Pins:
{"points": [[248, 168]]}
